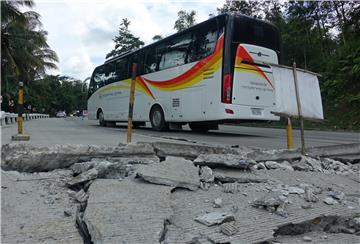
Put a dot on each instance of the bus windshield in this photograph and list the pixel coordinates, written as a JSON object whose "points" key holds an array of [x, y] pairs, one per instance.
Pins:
{"points": [[254, 32]]}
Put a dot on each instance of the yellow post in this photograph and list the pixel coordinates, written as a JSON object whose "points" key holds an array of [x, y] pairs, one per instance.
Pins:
{"points": [[289, 135], [20, 136], [131, 102], [20, 108]]}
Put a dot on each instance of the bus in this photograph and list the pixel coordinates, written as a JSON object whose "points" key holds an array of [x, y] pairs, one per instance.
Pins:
{"points": [[214, 72]]}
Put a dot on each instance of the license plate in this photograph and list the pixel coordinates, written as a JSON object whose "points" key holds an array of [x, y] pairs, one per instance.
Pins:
{"points": [[256, 111]]}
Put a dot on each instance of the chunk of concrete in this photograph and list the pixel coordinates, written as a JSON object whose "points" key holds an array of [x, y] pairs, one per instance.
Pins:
{"points": [[84, 177], [338, 195], [215, 218], [330, 201], [26, 218], [206, 174], [275, 165], [28, 158], [309, 195], [224, 160], [80, 196], [174, 171], [128, 211], [308, 164], [234, 175], [164, 149], [229, 228]]}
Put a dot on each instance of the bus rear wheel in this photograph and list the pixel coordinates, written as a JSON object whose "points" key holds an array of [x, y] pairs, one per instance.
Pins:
{"points": [[157, 119]]}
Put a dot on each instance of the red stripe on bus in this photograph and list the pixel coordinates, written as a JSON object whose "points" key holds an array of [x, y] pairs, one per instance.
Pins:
{"points": [[242, 54], [192, 72]]}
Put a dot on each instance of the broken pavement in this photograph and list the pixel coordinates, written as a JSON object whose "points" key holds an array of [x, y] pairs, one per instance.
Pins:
{"points": [[141, 193]]}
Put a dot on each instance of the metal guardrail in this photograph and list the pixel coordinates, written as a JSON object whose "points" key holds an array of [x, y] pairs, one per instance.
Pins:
{"points": [[10, 118]]}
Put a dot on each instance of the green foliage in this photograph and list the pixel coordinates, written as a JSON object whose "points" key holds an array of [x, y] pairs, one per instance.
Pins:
{"points": [[157, 38], [321, 36], [54, 93], [185, 20], [25, 54], [125, 41]]}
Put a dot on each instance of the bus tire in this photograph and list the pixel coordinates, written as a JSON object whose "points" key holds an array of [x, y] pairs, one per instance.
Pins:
{"points": [[102, 121], [157, 119]]}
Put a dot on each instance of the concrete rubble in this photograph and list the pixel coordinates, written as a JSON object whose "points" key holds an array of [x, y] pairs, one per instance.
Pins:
{"points": [[214, 218], [174, 171], [224, 160], [149, 193], [33, 208], [27, 158]]}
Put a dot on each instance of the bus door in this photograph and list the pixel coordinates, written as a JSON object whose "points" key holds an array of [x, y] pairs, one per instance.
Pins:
{"points": [[253, 82]]}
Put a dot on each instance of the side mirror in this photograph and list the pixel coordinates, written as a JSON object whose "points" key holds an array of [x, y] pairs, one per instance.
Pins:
{"points": [[84, 88], [85, 85]]}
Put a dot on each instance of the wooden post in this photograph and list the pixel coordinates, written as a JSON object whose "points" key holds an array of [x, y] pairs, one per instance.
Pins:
{"points": [[299, 110], [131, 102], [20, 136], [20, 107], [289, 135]]}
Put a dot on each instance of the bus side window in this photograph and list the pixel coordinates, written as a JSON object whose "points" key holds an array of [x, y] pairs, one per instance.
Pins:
{"points": [[121, 68], [99, 77], [110, 75], [138, 59], [175, 52], [204, 42], [91, 87], [151, 61]]}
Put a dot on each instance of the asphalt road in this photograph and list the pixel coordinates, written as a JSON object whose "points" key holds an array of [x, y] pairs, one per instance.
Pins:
{"points": [[74, 130]]}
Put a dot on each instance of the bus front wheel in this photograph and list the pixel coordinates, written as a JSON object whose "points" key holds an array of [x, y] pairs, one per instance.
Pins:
{"points": [[157, 119]]}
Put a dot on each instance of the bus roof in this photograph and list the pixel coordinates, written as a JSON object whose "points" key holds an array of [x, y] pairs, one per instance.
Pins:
{"points": [[224, 15]]}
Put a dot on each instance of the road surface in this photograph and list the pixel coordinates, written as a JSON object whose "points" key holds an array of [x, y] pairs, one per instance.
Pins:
{"points": [[73, 130]]}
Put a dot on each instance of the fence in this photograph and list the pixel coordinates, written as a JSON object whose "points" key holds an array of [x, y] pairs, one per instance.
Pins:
{"points": [[10, 118]]}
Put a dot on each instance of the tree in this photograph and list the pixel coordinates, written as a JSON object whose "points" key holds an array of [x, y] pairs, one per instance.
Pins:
{"points": [[25, 52], [185, 20], [53, 93], [125, 41], [157, 38], [249, 8]]}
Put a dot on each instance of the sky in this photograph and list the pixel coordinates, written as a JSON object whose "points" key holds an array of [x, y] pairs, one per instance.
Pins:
{"points": [[81, 32]]}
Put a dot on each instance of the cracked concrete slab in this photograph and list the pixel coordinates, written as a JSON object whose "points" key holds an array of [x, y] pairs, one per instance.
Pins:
{"points": [[164, 149], [36, 208], [224, 160], [231, 175], [28, 158], [128, 211], [174, 171], [258, 225]]}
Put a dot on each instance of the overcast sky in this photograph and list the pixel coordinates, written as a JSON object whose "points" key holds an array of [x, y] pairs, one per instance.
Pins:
{"points": [[81, 32]]}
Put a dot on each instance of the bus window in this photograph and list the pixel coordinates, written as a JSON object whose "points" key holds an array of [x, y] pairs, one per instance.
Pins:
{"points": [[249, 31], [109, 73], [204, 42], [175, 52], [138, 59], [122, 69], [151, 62], [99, 77]]}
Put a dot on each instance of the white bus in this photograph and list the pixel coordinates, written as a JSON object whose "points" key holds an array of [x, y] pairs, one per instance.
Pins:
{"points": [[214, 72]]}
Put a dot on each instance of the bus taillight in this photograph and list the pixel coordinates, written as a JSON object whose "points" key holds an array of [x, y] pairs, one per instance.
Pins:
{"points": [[227, 86]]}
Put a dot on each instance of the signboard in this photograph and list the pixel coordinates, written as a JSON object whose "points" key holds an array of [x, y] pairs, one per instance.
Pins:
{"points": [[308, 90]]}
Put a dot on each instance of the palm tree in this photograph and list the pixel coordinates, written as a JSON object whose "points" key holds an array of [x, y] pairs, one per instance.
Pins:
{"points": [[25, 52]]}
